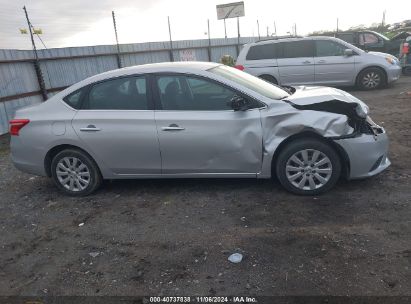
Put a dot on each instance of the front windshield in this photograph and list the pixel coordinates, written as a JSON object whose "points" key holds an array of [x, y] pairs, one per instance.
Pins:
{"points": [[249, 81]]}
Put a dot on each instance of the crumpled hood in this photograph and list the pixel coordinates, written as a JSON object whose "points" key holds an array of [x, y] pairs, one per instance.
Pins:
{"points": [[305, 96]]}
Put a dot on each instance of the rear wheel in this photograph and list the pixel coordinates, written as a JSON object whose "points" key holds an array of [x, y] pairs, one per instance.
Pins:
{"points": [[75, 173], [308, 167], [371, 78]]}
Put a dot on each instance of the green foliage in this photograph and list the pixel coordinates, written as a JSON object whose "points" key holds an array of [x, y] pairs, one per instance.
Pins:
{"points": [[227, 60]]}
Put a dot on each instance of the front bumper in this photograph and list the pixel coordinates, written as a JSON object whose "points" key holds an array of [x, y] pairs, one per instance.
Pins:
{"points": [[367, 154], [393, 73]]}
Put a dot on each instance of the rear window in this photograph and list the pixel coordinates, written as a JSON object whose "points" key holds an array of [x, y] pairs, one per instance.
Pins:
{"points": [[262, 51], [296, 49], [74, 99], [346, 37]]}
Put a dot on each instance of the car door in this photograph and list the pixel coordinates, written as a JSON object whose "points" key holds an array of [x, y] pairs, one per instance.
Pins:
{"points": [[200, 134], [116, 123], [295, 61], [261, 59], [332, 67]]}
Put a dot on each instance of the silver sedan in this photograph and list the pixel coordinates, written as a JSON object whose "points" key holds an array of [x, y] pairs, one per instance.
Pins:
{"points": [[191, 120]]}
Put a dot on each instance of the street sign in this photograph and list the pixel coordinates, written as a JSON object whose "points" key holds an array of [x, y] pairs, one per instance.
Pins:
{"points": [[230, 10]]}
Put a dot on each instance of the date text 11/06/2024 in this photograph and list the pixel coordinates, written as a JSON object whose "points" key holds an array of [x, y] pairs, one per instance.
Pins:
{"points": [[203, 299]]}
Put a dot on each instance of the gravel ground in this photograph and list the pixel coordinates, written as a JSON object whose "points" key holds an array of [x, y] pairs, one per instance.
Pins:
{"points": [[173, 237]]}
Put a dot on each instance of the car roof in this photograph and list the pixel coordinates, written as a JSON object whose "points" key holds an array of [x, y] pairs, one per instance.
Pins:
{"points": [[168, 67], [159, 67], [268, 41]]}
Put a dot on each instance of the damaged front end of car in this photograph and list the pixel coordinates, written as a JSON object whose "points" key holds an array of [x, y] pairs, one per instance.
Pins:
{"points": [[336, 116]]}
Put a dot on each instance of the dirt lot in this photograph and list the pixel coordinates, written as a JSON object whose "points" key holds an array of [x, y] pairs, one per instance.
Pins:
{"points": [[157, 237]]}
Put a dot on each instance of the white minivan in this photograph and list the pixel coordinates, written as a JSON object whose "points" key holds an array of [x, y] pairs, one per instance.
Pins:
{"points": [[318, 60]]}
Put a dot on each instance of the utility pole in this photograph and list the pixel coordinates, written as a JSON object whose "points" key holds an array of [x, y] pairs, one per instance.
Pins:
{"points": [[258, 30], [225, 30], [171, 41], [295, 29], [118, 46], [383, 18], [238, 36], [337, 25], [209, 40], [275, 29], [267, 31], [36, 59]]}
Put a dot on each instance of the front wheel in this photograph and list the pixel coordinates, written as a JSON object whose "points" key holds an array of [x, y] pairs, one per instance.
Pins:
{"points": [[371, 78], [75, 173], [308, 167]]}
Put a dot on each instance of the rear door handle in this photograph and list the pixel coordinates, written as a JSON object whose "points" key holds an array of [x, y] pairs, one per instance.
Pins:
{"points": [[321, 61], [172, 129], [306, 62], [90, 128]]}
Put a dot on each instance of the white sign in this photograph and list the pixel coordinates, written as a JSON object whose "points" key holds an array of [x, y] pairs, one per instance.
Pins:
{"points": [[188, 55], [230, 10]]}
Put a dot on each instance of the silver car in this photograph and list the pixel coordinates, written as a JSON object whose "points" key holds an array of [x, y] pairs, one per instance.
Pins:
{"points": [[318, 61], [191, 120]]}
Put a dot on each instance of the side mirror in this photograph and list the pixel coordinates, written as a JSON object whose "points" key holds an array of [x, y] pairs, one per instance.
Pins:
{"points": [[348, 52], [238, 103]]}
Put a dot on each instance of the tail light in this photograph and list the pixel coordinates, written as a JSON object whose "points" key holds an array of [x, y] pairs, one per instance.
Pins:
{"points": [[240, 67], [16, 125]]}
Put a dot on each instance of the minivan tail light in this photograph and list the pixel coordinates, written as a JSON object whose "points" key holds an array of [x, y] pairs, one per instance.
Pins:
{"points": [[16, 125], [240, 67]]}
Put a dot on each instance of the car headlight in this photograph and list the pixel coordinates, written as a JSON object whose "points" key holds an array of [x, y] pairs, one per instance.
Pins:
{"points": [[362, 110], [390, 60]]}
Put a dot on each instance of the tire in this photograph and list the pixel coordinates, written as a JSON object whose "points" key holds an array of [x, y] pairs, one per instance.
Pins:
{"points": [[75, 173], [315, 182], [269, 79], [371, 79]]}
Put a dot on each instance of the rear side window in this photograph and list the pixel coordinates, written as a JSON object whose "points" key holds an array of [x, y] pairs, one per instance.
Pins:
{"points": [[263, 51], [346, 37], [75, 98], [126, 93], [296, 49]]}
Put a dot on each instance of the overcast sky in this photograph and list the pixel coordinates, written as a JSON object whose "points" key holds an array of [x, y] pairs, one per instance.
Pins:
{"points": [[86, 22]]}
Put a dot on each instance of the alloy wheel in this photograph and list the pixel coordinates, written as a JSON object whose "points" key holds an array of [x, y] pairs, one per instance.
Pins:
{"points": [[308, 169], [371, 80], [73, 174]]}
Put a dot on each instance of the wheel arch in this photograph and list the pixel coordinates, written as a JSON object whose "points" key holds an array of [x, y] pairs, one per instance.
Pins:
{"points": [[57, 149], [266, 76], [342, 154]]}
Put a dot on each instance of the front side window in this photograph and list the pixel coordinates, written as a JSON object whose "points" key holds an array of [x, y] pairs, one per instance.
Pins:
{"points": [[126, 93], [186, 93], [296, 49], [263, 51], [326, 48], [368, 38]]}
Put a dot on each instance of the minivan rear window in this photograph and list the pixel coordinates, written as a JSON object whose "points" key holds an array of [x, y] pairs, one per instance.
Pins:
{"points": [[262, 51]]}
